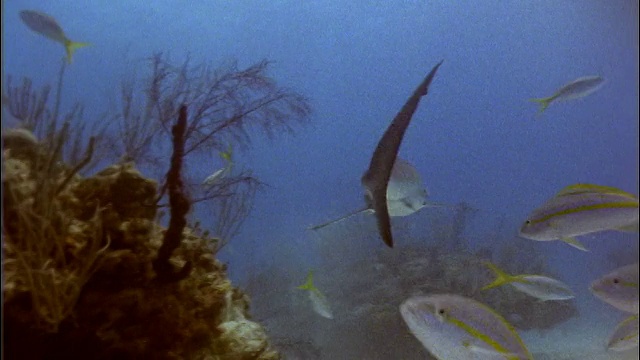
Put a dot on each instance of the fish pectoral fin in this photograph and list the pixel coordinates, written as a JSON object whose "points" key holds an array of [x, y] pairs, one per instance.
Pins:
{"points": [[489, 352], [575, 243]]}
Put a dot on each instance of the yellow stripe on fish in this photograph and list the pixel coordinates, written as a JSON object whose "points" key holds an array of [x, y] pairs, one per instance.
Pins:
{"points": [[593, 188], [620, 205], [481, 336]]}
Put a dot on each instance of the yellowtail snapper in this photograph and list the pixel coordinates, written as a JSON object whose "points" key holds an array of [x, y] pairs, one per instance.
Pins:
{"points": [[318, 300], [48, 27], [538, 286], [619, 288], [576, 89], [582, 209], [625, 336], [455, 327]]}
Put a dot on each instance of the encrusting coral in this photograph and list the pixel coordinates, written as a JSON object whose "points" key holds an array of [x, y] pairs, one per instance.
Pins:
{"points": [[79, 280]]}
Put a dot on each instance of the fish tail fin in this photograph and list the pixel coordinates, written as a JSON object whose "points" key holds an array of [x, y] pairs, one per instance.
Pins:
{"points": [[501, 277], [227, 155], [544, 103], [575, 243], [308, 285], [72, 46]]}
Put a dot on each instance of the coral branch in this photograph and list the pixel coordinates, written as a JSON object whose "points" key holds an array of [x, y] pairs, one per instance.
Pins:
{"points": [[77, 168], [179, 205]]}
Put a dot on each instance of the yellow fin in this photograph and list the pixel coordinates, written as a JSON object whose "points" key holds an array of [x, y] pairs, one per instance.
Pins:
{"points": [[308, 285], [575, 243], [71, 47], [501, 276], [226, 155], [544, 103]]}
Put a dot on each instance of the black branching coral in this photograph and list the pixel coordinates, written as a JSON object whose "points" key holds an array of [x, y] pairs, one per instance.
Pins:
{"points": [[179, 206]]}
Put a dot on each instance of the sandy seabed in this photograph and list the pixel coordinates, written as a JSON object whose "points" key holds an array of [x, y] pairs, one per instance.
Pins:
{"points": [[580, 338]]}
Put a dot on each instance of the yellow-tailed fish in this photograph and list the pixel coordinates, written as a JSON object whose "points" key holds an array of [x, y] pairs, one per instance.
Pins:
{"points": [[455, 327], [47, 26], [222, 172], [625, 336], [581, 209], [538, 286], [576, 89], [619, 288], [318, 300]]}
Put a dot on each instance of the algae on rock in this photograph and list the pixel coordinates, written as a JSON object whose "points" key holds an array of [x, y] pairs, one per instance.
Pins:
{"points": [[79, 280]]}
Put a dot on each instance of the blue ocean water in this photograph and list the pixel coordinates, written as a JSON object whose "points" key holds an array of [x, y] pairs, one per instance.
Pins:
{"points": [[474, 139]]}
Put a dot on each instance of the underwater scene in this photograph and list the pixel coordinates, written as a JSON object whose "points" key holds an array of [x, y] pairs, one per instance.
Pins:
{"points": [[225, 180]]}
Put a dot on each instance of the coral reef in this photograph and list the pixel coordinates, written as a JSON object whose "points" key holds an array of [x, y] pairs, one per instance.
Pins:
{"points": [[365, 287], [79, 276]]}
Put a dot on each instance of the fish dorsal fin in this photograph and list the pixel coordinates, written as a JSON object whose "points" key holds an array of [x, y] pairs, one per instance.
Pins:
{"points": [[376, 178], [592, 188]]}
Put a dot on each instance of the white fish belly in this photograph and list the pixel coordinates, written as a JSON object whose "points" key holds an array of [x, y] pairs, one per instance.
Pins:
{"points": [[320, 304], [544, 291]]}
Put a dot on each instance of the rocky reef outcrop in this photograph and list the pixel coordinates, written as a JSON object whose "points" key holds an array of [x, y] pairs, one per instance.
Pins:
{"points": [[78, 274]]}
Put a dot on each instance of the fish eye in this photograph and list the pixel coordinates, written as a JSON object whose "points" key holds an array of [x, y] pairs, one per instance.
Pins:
{"points": [[528, 222], [441, 312], [616, 281]]}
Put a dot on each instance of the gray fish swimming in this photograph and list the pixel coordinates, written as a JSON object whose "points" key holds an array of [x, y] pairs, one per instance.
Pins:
{"points": [[625, 336], [581, 209], [376, 179], [576, 89], [318, 300], [455, 327], [619, 288], [48, 27], [538, 286]]}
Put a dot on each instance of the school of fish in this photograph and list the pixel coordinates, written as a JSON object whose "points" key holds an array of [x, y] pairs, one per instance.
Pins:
{"points": [[451, 326]]}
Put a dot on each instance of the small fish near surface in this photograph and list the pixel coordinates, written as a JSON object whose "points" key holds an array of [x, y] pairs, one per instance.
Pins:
{"points": [[582, 209], [576, 89], [406, 194], [318, 300], [376, 179], [538, 286], [619, 288], [221, 173], [455, 327], [625, 336], [48, 27]]}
